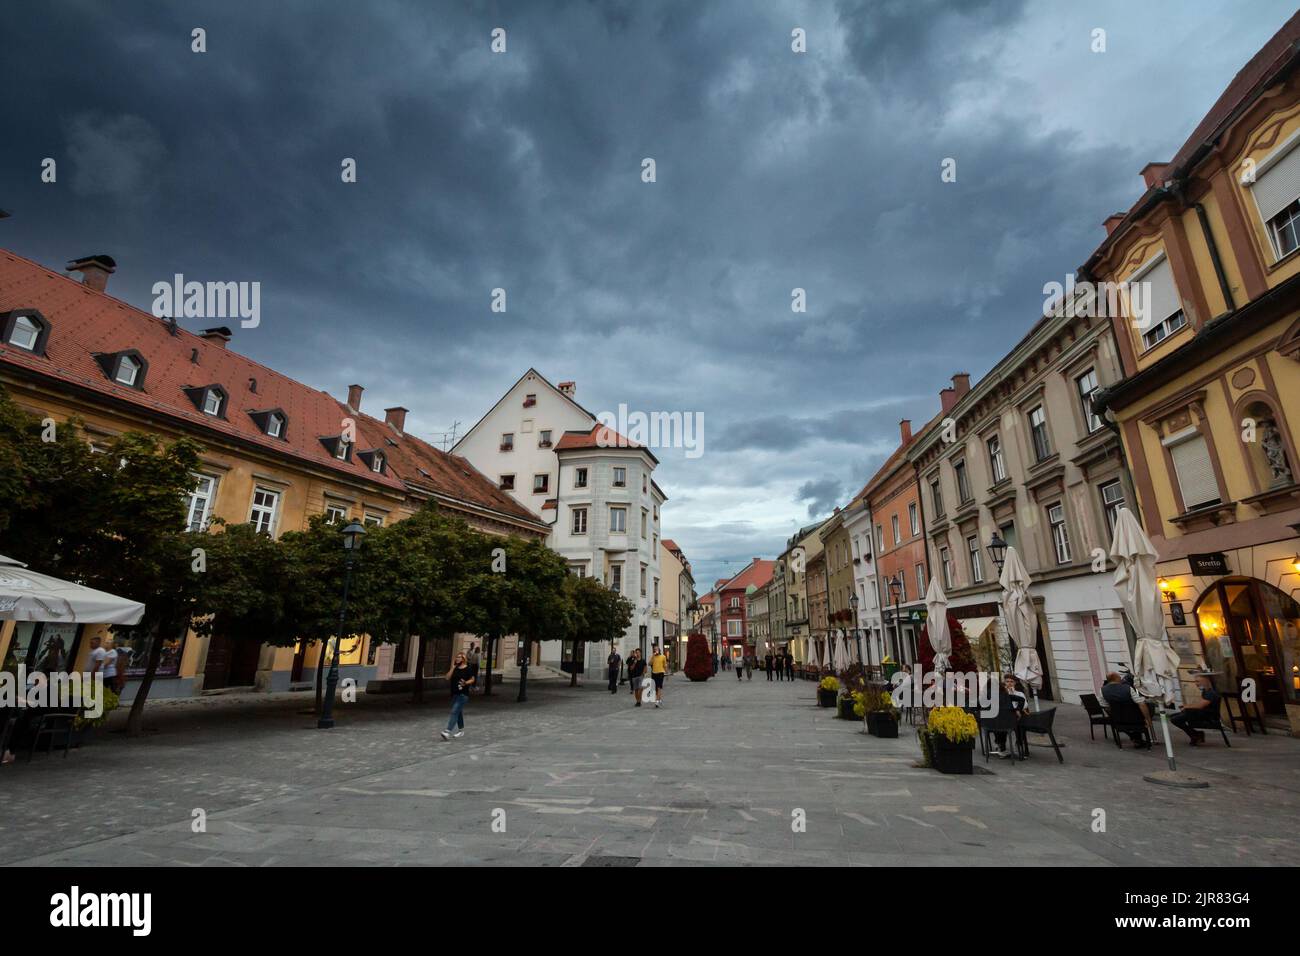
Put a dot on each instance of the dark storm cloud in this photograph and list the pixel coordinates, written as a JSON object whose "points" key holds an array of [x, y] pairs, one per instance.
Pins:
{"points": [[822, 495], [776, 171]]}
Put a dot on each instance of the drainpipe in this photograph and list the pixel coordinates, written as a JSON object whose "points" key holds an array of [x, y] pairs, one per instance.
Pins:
{"points": [[1101, 408], [1214, 256]]}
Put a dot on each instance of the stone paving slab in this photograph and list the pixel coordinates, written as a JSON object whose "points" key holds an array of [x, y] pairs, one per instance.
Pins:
{"points": [[583, 777]]}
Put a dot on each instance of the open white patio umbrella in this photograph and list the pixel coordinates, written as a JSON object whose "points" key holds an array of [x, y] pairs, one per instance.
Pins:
{"points": [[31, 596], [936, 624], [1155, 665], [1022, 622]]}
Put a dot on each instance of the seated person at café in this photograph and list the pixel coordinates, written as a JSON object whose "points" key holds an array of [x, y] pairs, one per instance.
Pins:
{"points": [[1012, 698], [1199, 713], [1118, 692]]}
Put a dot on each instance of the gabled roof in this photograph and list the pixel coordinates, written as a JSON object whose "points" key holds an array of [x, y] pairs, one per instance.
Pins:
{"points": [[541, 378], [85, 322], [757, 572]]}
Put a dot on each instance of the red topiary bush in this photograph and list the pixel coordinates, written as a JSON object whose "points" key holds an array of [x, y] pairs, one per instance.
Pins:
{"points": [[959, 659], [699, 663]]}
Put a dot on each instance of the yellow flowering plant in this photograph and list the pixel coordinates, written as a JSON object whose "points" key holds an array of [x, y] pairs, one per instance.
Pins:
{"points": [[830, 683], [952, 723]]}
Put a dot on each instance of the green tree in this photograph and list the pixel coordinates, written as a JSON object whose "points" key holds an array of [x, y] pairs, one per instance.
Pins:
{"points": [[412, 582], [113, 521], [599, 614], [545, 608]]}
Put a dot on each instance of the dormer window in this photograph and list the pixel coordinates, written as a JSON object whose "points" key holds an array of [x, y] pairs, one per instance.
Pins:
{"points": [[209, 399], [373, 459], [127, 367], [26, 330], [128, 370], [273, 423], [338, 447]]}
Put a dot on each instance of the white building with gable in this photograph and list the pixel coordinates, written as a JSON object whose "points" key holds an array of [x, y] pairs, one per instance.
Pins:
{"points": [[594, 488]]}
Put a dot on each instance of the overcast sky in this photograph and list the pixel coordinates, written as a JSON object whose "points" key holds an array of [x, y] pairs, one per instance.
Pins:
{"points": [[523, 171]]}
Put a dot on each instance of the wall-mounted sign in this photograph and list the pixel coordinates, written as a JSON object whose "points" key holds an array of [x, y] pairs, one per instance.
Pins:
{"points": [[1208, 564], [1176, 612]]}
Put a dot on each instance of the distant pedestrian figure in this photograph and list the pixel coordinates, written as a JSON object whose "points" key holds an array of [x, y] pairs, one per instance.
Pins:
{"points": [[460, 678], [789, 666], [740, 671], [615, 664], [636, 673], [749, 667], [658, 671], [767, 664]]}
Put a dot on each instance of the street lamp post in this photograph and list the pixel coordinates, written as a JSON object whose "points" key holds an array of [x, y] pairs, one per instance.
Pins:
{"points": [[896, 592], [998, 549], [352, 536]]}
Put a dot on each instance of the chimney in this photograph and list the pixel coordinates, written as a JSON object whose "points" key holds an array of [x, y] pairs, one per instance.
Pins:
{"points": [[961, 383], [947, 398], [1112, 221], [218, 336], [396, 417], [354, 397], [1153, 174], [905, 430], [94, 270], [569, 388]]}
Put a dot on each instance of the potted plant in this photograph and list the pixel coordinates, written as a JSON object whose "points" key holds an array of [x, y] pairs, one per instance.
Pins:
{"points": [[846, 705], [880, 713], [950, 739], [828, 691], [83, 727]]}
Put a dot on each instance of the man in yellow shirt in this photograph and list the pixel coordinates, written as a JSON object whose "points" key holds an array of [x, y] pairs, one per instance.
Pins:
{"points": [[658, 668]]}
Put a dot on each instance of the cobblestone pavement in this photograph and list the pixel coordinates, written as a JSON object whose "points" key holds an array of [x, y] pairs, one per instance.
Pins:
{"points": [[578, 776]]}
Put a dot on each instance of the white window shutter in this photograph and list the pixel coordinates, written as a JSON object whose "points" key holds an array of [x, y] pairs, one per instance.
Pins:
{"points": [[1278, 186], [1195, 472], [1158, 299]]}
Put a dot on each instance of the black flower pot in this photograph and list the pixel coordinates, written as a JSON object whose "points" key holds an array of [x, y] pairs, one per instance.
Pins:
{"points": [[846, 709], [827, 698], [882, 724], [948, 757]]}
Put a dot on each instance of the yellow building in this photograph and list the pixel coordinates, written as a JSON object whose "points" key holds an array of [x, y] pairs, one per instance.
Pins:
{"points": [[1208, 267], [276, 452]]}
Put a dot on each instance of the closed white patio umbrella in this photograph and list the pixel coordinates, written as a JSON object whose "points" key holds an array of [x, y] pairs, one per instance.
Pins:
{"points": [[1030, 670], [31, 596], [936, 624], [1018, 609], [1155, 665]]}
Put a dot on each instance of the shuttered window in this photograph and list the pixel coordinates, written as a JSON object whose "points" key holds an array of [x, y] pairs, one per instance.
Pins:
{"points": [[1195, 472], [1157, 299], [1278, 185]]}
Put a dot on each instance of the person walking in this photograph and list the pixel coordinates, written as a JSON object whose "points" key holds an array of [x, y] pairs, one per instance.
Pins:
{"points": [[635, 673], [749, 667], [615, 663], [460, 677], [767, 664], [658, 670], [789, 665]]}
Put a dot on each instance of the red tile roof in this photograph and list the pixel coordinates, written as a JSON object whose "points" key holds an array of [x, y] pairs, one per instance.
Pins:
{"points": [[600, 436], [758, 572], [670, 544], [85, 322]]}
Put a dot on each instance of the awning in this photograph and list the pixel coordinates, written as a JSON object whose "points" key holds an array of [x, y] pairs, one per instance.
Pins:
{"points": [[30, 596]]}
